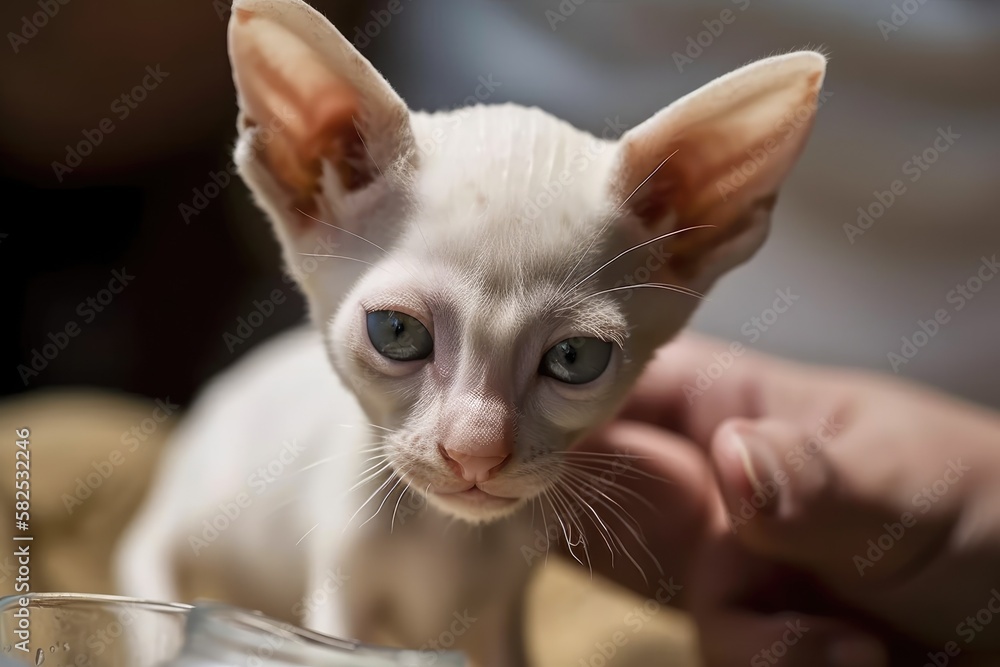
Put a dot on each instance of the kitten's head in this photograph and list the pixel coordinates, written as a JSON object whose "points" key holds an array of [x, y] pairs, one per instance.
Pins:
{"points": [[478, 291]]}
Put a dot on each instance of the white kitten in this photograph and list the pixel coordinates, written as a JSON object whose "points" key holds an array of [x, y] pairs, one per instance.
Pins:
{"points": [[478, 312]]}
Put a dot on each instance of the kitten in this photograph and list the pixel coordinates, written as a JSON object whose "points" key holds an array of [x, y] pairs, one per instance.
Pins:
{"points": [[499, 281]]}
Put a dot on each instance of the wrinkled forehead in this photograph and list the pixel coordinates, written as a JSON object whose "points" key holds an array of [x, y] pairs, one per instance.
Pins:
{"points": [[502, 299]]}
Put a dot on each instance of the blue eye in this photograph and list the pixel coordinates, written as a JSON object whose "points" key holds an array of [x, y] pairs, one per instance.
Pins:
{"points": [[399, 336], [576, 360]]}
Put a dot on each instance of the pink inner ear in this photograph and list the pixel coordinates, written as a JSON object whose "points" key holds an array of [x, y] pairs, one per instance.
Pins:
{"points": [[310, 111], [706, 147], [681, 194]]}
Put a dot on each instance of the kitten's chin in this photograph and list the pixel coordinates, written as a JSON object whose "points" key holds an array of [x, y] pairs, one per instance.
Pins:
{"points": [[475, 505]]}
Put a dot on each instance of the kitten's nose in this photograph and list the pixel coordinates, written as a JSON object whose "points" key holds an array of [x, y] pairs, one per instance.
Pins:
{"points": [[477, 436], [474, 468]]}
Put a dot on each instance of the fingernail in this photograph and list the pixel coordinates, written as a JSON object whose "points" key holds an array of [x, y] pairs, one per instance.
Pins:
{"points": [[857, 652], [756, 461]]}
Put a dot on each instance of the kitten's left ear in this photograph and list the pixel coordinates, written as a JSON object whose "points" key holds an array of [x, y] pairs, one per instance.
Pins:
{"points": [[318, 123], [727, 147]]}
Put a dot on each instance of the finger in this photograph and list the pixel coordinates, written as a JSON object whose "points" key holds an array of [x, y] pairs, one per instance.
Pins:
{"points": [[813, 500], [694, 383], [656, 480], [742, 637]]}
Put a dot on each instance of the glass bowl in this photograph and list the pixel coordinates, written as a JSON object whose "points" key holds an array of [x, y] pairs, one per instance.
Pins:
{"points": [[72, 630]]}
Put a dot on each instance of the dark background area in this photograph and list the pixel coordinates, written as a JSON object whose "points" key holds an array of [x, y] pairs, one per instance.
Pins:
{"points": [[163, 335], [120, 209]]}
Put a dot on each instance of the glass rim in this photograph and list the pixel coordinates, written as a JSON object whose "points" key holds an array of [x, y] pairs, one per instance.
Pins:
{"points": [[54, 599]]}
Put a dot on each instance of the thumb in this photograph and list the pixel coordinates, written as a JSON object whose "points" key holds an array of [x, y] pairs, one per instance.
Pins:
{"points": [[807, 499]]}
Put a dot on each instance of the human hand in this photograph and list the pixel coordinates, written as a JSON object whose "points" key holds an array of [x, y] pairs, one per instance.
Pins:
{"points": [[814, 513]]}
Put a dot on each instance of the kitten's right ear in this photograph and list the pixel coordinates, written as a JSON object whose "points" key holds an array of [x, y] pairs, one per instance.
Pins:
{"points": [[715, 159], [317, 122]]}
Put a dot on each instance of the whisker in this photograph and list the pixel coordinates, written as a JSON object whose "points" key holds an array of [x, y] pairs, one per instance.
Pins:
{"points": [[382, 504], [385, 466], [573, 519], [663, 286], [372, 158], [353, 259], [653, 173], [596, 481], [367, 424], [636, 247], [307, 534], [374, 458], [360, 238], [374, 465], [374, 493], [569, 541], [346, 231], [335, 457], [636, 535], [358, 130], [570, 516], [599, 523], [623, 549], [628, 474], [406, 488], [607, 223], [611, 455], [545, 525]]}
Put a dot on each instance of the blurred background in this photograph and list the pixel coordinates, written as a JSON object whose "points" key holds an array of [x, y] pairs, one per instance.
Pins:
{"points": [[129, 252], [900, 73]]}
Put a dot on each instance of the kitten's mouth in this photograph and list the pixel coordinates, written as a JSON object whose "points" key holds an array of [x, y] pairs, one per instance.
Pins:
{"points": [[476, 495]]}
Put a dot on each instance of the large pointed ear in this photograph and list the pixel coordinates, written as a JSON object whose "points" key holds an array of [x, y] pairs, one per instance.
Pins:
{"points": [[322, 134], [717, 157]]}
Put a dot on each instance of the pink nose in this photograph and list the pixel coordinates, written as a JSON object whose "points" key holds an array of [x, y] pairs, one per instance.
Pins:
{"points": [[473, 468]]}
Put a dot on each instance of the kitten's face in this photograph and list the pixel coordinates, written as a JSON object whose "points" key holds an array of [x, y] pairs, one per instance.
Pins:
{"points": [[470, 338], [477, 301]]}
